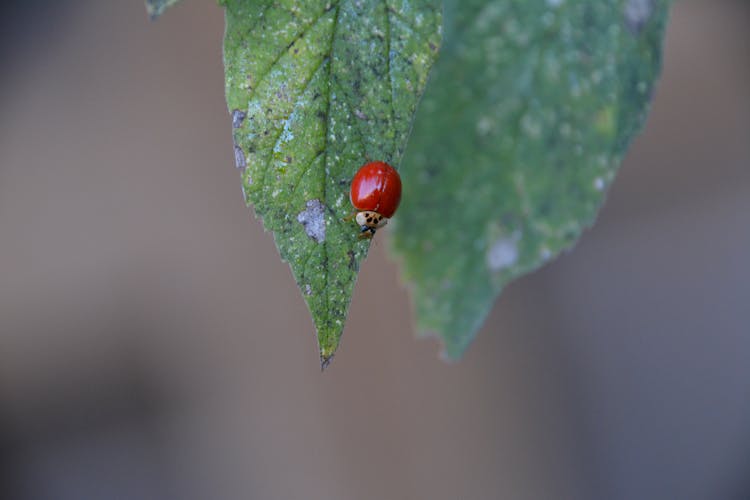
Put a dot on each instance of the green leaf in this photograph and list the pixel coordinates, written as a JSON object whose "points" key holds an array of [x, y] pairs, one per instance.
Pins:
{"points": [[525, 121], [315, 90], [155, 8]]}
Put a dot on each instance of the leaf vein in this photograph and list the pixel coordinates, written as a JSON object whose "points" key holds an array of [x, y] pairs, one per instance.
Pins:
{"points": [[327, 270], [388, 66], [305, 170], [285, 121], [305, 29]]}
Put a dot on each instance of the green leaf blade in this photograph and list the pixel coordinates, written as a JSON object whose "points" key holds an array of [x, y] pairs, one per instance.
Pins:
{"points": [[520, 132], [316, 89]]}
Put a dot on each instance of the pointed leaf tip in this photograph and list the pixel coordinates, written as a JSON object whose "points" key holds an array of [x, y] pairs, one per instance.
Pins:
{"points": [[315, 90]]}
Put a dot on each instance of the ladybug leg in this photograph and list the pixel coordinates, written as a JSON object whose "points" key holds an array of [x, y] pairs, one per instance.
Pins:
{"points": [[366, 233]]}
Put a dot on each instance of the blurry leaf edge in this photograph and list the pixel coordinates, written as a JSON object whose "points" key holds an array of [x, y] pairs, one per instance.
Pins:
{"points": [[434, 258]]}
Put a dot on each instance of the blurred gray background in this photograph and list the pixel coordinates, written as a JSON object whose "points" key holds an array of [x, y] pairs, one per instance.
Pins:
{"points": [[153, 346]]}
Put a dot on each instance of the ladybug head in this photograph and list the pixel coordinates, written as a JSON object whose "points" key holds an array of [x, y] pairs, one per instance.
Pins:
{"points": [[370, 220]]}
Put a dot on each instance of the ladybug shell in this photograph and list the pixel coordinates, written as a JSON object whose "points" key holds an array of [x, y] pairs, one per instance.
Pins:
{"points": [[376, 187]]}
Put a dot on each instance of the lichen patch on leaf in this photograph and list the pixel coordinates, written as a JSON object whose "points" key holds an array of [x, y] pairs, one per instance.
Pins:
{"points": [[503, 252], [316, 89], [239, 157], [313, 220], [238, 116]]}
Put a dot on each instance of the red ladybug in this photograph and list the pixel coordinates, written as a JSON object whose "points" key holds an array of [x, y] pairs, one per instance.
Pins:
{"points": [[375, 193]]}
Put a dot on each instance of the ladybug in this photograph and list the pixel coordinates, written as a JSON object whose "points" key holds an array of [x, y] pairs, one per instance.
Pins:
{"points": [[375, 193]]}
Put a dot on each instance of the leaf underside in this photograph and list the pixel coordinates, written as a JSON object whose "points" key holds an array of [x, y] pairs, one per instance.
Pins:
{"points": [[316, 89], [521, 130]]}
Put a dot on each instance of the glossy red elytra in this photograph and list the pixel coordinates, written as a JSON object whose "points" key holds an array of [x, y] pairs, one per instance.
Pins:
{"points": [[375, 193]]}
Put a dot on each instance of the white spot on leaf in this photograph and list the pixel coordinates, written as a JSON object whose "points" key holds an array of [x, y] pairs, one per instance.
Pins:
{"points": [[484, 125], [313, 220], [531, 126], [503, 253], [545, 254], [637, 14]]}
